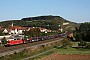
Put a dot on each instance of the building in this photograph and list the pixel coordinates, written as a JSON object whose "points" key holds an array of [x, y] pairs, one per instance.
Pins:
{"points": [[43, 29], [65, 23], [16, 30]]}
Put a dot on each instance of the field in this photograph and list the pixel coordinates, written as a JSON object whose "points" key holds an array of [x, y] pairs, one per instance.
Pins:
{"points": [[59, 53], [68, 54], [66, 57], [73, 51]]}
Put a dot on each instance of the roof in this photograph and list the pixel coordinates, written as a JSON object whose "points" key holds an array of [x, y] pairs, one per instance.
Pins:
{"points": [[42, 28], [1, 29], [17, 27]]}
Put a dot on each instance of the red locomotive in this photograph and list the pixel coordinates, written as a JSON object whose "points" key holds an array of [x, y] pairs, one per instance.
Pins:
{"points": [[14, 42]]}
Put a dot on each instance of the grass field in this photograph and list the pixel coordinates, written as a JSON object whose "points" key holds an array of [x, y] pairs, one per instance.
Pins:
{"points": [[73, 51], [63, 51], [43, 55], [68, 51]]}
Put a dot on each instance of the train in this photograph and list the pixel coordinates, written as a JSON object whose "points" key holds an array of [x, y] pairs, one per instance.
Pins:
{"points": [[17, 41]]}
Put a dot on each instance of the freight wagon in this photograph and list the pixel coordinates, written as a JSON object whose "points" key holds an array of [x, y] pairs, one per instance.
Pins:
{"points": [[32, 39]]}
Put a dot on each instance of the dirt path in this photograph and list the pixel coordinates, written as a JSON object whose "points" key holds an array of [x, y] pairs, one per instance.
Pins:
{"points": [[38, 54], [66, 57]]}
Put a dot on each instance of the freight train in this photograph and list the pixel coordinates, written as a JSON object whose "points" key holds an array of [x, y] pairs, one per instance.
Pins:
{"points": [[17, 41]]}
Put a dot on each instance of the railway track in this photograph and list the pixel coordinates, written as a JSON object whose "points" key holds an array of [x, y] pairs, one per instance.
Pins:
{"points": [[10, 50]]}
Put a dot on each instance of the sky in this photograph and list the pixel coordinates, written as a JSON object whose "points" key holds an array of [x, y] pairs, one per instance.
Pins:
{"points": [[72, 10]]}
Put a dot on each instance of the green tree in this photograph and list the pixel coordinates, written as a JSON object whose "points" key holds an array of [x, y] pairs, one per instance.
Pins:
{"points": [[88, 45], [66, 42], [83, 44], [34, 32], [4, 41], [1, 33], [83, 32]]}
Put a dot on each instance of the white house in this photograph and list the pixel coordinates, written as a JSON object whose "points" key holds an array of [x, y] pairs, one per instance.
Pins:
{"points": [[43, 29], [65, 23], [16, 30], [5, 31]]}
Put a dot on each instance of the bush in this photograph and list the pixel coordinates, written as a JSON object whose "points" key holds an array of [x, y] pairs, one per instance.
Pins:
{"points": [[4, 41], [66, 42], [83, 44], [88, 45]]}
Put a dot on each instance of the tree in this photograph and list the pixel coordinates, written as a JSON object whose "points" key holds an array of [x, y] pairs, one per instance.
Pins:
{"points": [[83, 44], [1, 33], [88, 45], [83, 33], [4, 41], [66, 42], [34, 32]]}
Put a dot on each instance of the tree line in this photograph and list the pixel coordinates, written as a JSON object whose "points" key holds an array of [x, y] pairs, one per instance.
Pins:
{"points": [[83, 32]]}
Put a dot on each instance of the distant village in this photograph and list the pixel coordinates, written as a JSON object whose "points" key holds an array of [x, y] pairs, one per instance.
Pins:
{"points": [[18, 30]]}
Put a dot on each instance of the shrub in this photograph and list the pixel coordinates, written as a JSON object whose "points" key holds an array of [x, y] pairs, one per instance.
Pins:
{"points": [[66, 42], [4, 41], [88, 45], [83, 44]]}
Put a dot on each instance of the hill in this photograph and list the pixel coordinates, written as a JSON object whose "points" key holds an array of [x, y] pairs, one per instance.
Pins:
{"points": [[50, 22]]}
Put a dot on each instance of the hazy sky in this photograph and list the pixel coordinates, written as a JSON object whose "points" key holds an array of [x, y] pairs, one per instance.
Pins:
{"points": [[73, 10]]}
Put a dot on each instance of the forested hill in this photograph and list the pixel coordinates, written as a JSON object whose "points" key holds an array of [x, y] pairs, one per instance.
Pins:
{"points": [[40, 18], [44, 18], [50, 17], [51, 22]]}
